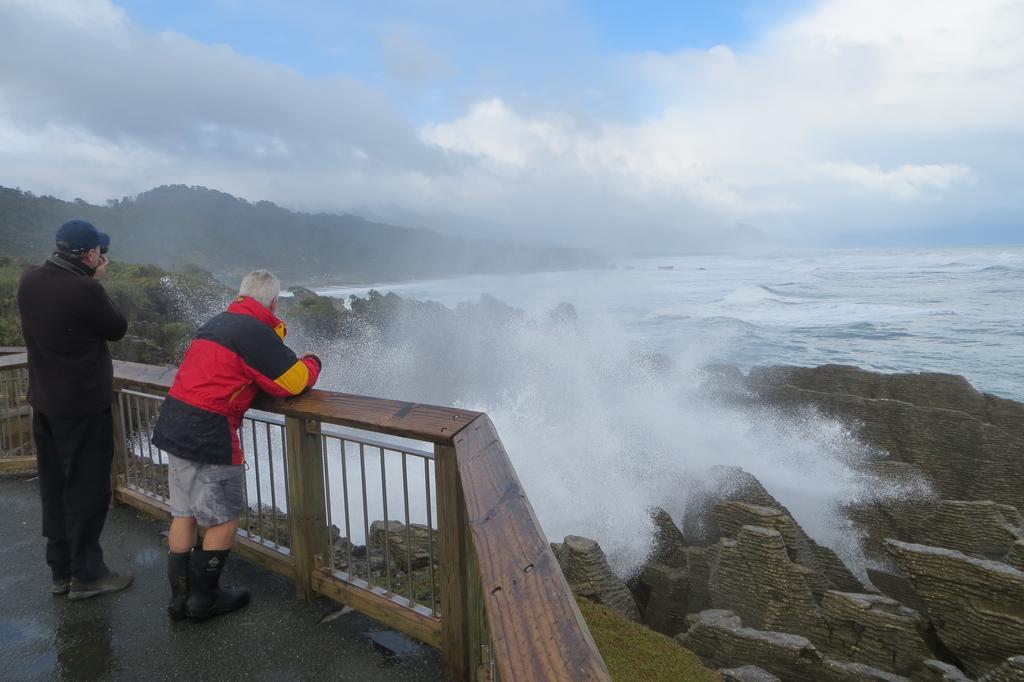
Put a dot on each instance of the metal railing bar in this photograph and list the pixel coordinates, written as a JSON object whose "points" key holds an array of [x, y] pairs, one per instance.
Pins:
{"points": [[430, 537], [374, 442], [408, 524], [245, 488], [327, 492], [284, 464], [154, 468], [276, 421], [142, 479], [128, 476], [273, 485], [148, 447], [366, 511], [387, 521], [259, 485], [344, 493], [140, 394]]}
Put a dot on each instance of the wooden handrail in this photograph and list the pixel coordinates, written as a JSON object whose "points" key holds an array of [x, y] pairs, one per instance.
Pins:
{"points": [[536, 628], [429, 423], [536, 631]]}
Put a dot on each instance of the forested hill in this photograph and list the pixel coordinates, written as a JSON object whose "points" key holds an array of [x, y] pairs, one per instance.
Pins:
{"points": [[175, 224]]}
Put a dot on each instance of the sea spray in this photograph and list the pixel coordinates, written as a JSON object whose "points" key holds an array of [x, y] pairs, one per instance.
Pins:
{"points": [[599, 433]]}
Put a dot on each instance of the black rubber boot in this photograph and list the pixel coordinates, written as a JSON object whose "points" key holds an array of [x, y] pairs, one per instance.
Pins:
{"points": [[177, 575], [206, 598]]}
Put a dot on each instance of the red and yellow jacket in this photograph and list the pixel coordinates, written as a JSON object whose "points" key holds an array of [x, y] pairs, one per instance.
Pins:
{"points": [[234, 356]]}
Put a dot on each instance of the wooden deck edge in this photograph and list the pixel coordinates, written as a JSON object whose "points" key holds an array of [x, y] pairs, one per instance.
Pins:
{"points": [[270, 559], [377, 604], [142, 502], [252, 550], [22, 464]]}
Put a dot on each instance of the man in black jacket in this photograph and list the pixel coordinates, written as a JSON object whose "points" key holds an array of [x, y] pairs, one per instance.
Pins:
{"points": [[67, 319]]}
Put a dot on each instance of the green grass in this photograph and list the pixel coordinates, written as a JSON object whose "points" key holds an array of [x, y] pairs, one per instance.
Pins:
{"points": [[636, 653]]}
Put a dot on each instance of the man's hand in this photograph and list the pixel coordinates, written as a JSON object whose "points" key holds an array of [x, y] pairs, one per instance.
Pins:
{"points": [[101, 267], [312, 355]]}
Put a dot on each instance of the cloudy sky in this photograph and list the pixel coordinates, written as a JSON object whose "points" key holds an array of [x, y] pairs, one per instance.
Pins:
{"points": [[619, 125]]}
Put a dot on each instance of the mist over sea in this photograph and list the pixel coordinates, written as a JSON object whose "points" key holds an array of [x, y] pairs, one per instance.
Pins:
{"points": [[943, 310], [599, 434]]}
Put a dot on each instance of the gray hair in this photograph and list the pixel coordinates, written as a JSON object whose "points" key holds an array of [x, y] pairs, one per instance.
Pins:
{"points": [[260, 285]]}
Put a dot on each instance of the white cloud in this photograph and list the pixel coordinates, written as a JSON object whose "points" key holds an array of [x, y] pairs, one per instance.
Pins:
{"points": [[861, 115], [905, 182], [876, 95]]}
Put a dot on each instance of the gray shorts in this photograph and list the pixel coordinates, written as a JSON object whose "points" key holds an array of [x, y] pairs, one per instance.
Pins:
{"points": [[211, 493]]}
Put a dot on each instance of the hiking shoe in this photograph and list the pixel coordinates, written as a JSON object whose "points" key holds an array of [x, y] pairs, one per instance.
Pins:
{"points": [[111, 582], [60, 586]]}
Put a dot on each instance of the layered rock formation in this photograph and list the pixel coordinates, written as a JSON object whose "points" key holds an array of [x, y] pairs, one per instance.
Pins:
{"points": [[408, 546], [968, 444], [1012, 670], [755, 578], [586, 569], [719, 638], [977, 606], [742, 584], [875, 630], [747, 673]]}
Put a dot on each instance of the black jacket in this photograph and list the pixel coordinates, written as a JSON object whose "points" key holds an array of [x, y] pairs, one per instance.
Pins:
{"points": [[67, 319]]}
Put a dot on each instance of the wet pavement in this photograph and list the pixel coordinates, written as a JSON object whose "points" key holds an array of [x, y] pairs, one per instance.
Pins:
{"points": [[127, 636]]}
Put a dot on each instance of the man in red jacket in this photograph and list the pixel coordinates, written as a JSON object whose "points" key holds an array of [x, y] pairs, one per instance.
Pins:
{"points": [[234, 356]]}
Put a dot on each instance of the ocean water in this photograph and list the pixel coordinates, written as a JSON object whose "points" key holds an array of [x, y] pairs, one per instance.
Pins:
{"points": [[951, 310], [599, 437]]}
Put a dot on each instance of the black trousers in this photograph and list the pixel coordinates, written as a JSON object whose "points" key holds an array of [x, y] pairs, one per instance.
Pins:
{"points": [[74, 456]]}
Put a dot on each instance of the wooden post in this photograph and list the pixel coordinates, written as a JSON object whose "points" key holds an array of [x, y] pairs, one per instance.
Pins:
{"points": [[307, 505], [119, 467], [461, 601], [478, 639]]}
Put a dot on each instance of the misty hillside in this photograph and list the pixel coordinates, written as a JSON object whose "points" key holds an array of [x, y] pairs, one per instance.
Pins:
{"points": [[175, 224]]}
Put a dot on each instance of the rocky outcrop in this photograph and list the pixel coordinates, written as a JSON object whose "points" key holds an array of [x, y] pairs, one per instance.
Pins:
{"points": [[669, 544], [747, 673], [983, 529], [937, 671], [924, 389], [1012, 670], [723, 484], [586, 569], [408, 546], [720, 639], [665, 598], [1015, 557], [699, 562], [827, 570], [755, 578], [847, 671], [876, 630], [969, 445], [897, 588], [741, 583], [976, 605]]}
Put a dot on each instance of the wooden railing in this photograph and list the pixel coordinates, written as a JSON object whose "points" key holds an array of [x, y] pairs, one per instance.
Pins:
{"points": [[489, 594]]}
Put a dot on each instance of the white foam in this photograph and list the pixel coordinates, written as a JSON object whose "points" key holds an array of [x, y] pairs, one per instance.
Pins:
{"points": [[599, 436]]}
